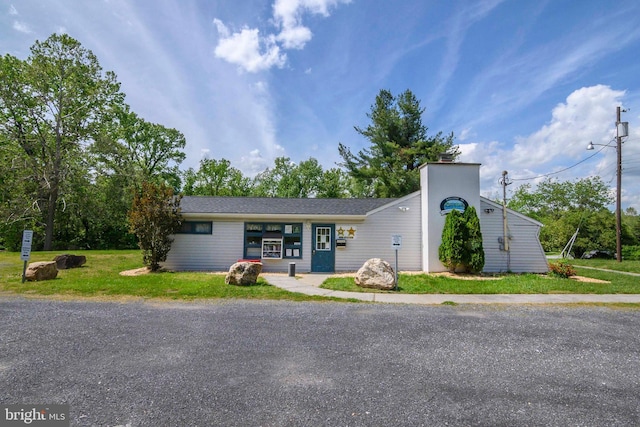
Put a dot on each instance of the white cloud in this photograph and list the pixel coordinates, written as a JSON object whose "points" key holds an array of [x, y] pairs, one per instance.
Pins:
{"points": [[464, 134], [12, 10], [254, 52], [247, 49], [587, 115], [21, 27], [254, 163]]}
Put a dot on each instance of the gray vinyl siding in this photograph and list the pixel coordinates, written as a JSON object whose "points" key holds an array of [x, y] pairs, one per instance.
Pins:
{"points": [[225, 246], [207, 252], [374, 237], [526, 253]]}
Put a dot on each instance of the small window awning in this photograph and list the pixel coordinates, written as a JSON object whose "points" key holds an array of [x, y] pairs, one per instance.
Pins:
{"points": [[272, 235]]}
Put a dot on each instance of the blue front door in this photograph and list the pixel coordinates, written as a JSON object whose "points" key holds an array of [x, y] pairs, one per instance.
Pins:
{"points": [[323, 255]]}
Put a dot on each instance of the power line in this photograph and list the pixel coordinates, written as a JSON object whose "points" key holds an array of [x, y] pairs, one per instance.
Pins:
{"points": [[561, 170]]}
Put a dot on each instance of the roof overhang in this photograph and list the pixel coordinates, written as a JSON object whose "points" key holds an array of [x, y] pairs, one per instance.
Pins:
{"points": [[273, 217]]}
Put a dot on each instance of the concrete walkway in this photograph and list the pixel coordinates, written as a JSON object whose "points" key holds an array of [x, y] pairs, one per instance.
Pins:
{"points": [[309, 284]]}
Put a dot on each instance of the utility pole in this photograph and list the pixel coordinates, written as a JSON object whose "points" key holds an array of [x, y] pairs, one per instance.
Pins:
{"points": [[618, 188], [504, 181]]}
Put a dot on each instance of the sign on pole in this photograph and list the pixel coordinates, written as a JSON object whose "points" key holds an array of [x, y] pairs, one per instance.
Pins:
{"points": [[25, 253], [396, 244], [396, 241], [27, 237]]}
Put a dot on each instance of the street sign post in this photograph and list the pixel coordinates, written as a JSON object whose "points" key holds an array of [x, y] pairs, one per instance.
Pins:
{"points": [[396, 244], [25, 253]]}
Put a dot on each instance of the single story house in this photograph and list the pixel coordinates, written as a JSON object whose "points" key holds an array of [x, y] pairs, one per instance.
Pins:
{"points": [[333, 235]]}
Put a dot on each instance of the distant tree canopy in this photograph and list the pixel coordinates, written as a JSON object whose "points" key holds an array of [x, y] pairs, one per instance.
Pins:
{"points": [[565, 206], [398, 146]]}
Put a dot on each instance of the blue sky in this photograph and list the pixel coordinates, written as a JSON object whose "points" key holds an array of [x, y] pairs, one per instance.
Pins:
{"points": [[523, 84]]}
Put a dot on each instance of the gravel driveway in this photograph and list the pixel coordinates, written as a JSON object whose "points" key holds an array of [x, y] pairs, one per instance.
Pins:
{"points": [[244, 363]]}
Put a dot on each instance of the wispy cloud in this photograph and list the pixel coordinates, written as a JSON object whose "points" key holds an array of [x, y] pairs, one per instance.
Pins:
{"points": [[254, 52], [525, 77], [458, 27], [21, 27]]}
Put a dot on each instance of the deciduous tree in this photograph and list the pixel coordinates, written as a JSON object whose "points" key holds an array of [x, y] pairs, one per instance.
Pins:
{"points": [[565, 206], [154, 217], [50, 107], [216, 178]]}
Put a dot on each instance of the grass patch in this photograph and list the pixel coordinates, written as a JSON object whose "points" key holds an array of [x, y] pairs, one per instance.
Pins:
{"points": [[100, 277], [505, 284], [609, 264]]}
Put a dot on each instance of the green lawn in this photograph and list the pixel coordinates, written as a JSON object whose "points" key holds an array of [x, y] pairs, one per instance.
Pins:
{"points": [[610, 264], [504, 284], [100, 277]]}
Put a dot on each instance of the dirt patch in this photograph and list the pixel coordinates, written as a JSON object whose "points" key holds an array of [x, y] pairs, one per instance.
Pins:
{"points": [[136, 272], [587, 279], [465, 276]]}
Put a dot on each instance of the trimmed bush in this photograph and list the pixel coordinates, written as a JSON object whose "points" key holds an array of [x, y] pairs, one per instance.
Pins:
{"points": [[461, 248], [474, 256], [561, 269], [451, 251]]}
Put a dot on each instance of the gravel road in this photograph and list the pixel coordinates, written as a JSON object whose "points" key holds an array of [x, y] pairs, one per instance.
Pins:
{"points": [[244, 363]]}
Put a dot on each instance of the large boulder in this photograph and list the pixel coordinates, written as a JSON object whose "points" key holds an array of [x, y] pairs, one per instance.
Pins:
{"points": [[66, 261], [376, 273], [243, 273], [43, 270]]}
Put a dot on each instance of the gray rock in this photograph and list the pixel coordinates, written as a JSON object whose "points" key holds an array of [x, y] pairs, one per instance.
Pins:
{"points": [[376, 273], [243, 273], [43, 270], [66, 261]]}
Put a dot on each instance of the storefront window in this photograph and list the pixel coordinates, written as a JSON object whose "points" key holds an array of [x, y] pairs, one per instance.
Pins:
{"points": [[272, 240]]}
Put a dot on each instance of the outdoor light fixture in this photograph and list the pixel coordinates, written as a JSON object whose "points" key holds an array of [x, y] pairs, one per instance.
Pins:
{"points": [[403, 208], [488, 210]]}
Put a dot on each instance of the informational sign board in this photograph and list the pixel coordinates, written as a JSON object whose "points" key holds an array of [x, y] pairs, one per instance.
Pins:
{"points": [[27, 237], [396, 241]]}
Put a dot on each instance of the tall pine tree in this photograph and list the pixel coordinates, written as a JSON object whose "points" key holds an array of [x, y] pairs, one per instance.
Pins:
{"points": [[399, 145]]}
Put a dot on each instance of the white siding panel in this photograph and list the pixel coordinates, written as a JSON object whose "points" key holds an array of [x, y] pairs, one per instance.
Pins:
{"points": [[526, 253], [374, 238], [210, 252]]}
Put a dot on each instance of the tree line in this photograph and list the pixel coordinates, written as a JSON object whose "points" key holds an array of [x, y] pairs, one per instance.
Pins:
{"points": [[565, 207], [74, 156]]}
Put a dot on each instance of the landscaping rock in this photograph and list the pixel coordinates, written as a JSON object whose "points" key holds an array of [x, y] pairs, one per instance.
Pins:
{"points": [[376, 273], [43, 270], [243, 273], [66, 261]]}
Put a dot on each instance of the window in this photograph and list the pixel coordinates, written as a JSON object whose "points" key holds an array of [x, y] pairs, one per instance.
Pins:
{"points": [[323, 238], [196, 227], [272, 240], [271, 248]]}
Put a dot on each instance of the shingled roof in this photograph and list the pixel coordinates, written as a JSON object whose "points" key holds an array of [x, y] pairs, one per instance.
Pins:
{"points": [[279, 206]]}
